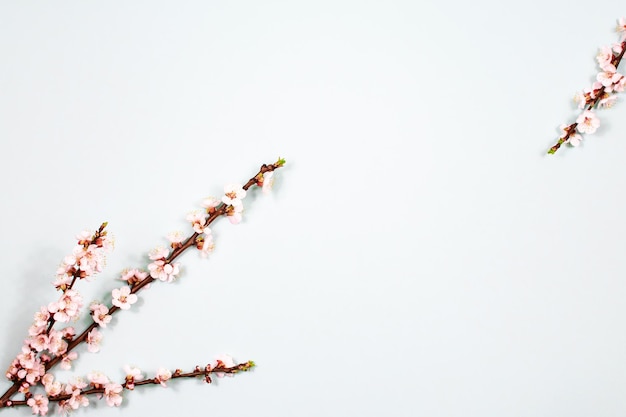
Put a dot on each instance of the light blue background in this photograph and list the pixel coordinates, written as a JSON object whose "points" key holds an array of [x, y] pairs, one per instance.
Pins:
{"points": [[420, 255]]}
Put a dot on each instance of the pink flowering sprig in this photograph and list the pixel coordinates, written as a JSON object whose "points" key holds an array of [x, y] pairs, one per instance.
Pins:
{"points": [[602, 94], [44, 342], [83, 263], [162, 268], [100, 386]]}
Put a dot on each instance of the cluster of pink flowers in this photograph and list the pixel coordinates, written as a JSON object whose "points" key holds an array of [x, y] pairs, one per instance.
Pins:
{"points": [[47, 346], [161, 268], [44, 342], [602, 93]]}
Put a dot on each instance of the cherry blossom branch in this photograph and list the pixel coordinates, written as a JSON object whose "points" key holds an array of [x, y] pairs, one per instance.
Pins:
{"points": [[601, 94], [29, 368], [100, 386]]}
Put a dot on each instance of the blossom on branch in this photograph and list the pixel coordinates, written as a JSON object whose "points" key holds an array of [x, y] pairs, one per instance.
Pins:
{"points": [[163, 271], [163, 375], [122, 298], [233, 194], [94, 337], [39, 404], [112, 394], [100, 314], [133, 374]]}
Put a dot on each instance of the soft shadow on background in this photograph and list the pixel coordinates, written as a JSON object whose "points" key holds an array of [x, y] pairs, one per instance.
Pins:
{"points": [[420, 254]]}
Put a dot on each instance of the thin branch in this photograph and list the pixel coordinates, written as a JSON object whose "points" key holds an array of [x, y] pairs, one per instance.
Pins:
{"points": [[197, 372]]}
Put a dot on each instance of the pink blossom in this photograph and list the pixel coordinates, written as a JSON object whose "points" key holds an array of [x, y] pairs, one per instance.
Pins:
{"points": [[75, 383], [39, 404], [158, 253], [52, 387], [100, 314], [176, 237], [197, 220], [94, 337], [40, 342], [605, 57], [609, 77], [47, 379], [112, 394], [587, 122], [88, 259], [133, 374], [268, 182], [71, 261], [57, 345], [77, 400], [84, 237], [163, 375], [123, 298], [133, 276], [617, 48], [575, 139], [207, 245], [92, 260], [97, 379], [235, 213], [233, 193], [28, 359], [163, 271], [68, 333], [42, 316], [28, 366], [66, 362], [62, 280], [620, 85], [64, 407], [35, 330], [67, 307], [210, 203]]}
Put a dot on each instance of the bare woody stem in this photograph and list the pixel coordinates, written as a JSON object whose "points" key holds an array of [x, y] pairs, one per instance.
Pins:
{"points": [[571, 129], [198, 372], [189, 242]]}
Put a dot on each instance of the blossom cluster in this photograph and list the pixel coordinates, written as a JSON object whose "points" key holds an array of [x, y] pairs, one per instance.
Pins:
{"points": [[601, 94], [47, 346], [44, 343]]}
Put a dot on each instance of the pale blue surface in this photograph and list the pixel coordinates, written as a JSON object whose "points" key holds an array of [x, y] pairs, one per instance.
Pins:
{"points": [[420, 256]]}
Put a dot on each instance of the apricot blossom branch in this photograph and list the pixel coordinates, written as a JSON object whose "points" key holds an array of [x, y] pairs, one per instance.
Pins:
{"points": [[602, 94], [76, 393], [47, 347]]}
